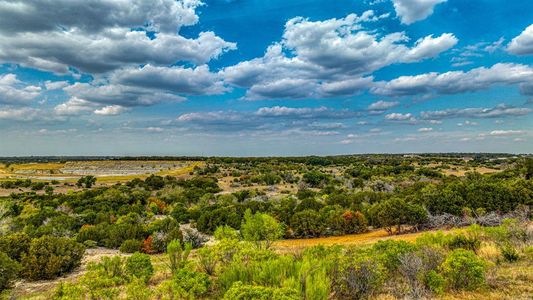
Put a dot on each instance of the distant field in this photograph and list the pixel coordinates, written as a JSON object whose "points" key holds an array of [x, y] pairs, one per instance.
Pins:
{"points": [[106, 171]]}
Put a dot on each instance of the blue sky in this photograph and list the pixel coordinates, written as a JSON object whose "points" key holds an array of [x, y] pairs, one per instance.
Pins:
{"points": [[260, 78]]}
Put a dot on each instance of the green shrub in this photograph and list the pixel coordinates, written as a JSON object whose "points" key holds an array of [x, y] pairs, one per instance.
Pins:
{"points": [[510, 254], [49, 257], [139, 266], [462, 269], [90, 244], [435, 282], [390, 251], [194, 283], [240, 291], [178, 255], [464, 242], [9, 270], [15, 245], [131, 246], [137, 290], [358, 280]]}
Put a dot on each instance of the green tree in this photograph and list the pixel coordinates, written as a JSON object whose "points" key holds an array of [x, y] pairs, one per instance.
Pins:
{"points": [[86, 181], [261, 229]]}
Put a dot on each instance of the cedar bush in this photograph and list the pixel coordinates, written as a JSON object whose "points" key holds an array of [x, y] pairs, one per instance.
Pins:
{"points": [[131, 246], [139, 266], [49, 257], [9, 270]]}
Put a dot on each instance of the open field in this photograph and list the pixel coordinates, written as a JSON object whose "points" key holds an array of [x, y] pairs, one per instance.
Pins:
{"points": [[104, 171]]}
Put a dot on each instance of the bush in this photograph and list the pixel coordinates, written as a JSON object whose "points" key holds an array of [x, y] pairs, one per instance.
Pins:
{"points": [[240, 291], [464, 242], [139, 266], [195, 283], [9, 270], [462, 269], [49, 257], [510, 254], [90, 244], [435, 282], [359, 280], [131, 246], [178, 255], [389, 252], [15, 245]]}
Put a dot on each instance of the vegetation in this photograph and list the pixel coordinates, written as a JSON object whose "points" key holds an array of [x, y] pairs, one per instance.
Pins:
{"points": [[216, 228]]}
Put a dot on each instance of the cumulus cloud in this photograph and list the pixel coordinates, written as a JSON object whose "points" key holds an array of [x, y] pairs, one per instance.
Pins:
{"points": [[329, 58], [55, 85], [506, 132], [425, 129], [15, 92], [430, 47], [164, 15], [383, 105], [110, 110], [54, 36], [411, 11], [19, 114], [305, 112], [188, 81], [399, 117], [74, 106], [117, 94], [522, 44], [499, 111], [455, 82]]}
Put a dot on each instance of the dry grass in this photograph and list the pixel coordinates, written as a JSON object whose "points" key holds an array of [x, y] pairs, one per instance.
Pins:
{"points": [[351, 239], [461, 171]]}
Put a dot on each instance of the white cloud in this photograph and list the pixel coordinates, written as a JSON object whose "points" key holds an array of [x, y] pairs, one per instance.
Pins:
{"points": [[383, 105], [55, 85], [467, 123], [54, 35], [74, 106], [19, 114], [506, 132], [399, 117], [430, 47], [110, 110], [335, 57], [455, 82], [425, 129], [117, 94], [411, 11], [522, 44], [189, 81], [494, 112], [15, 92]]}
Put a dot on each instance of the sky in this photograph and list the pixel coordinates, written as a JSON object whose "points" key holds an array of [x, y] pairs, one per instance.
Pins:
{"points": [[265, 77]]}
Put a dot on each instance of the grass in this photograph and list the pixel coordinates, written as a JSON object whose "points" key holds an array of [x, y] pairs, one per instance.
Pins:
{"points": [[350, 239]]}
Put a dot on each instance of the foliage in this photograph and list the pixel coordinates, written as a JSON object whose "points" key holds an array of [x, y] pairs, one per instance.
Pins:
{"points": [[9, 270], [178, 255], [139, 266], [49, 257], [261, 229], [131, 246], [462, 269], [240, 291]]}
